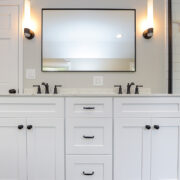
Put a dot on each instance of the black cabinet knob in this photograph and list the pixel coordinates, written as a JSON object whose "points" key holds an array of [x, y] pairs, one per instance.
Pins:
{"points": [[12, 91], [156, 127], [29, 127], [148, 127], [20, 127]]}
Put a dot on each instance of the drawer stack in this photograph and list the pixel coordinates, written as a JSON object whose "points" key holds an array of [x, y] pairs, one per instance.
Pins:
{"points": [[89, 138]]}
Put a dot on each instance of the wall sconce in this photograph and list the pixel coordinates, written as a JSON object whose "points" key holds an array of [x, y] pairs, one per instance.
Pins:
{"points": [[28, 32], [148, 33]]}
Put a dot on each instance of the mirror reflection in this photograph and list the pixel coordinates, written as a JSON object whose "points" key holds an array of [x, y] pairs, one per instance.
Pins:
{"points": [[88, 40]]}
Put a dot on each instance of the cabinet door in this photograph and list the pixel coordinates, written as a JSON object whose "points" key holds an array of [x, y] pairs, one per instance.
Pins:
{"points": [[165, 149], [132, 149], [45, 143], [12, 149]]}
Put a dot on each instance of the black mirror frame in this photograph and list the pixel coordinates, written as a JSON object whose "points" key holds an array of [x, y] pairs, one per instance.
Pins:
{"points": [[135, 33]]}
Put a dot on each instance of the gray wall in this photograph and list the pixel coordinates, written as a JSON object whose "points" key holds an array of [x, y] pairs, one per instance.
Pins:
{"points": [[151, 55]]}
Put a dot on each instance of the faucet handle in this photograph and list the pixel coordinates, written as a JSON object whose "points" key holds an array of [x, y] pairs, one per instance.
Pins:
{"points": [[55, 88], [38, 88], [120, 88], [137, 89]]}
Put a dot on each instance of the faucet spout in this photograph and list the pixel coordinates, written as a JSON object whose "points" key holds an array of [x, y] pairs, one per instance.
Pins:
{"points": [[129, 87], [46, 85]]}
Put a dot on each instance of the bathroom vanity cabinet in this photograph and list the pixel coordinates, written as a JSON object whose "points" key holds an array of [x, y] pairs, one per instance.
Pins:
{"points": [[82, 138], [32, 138], [146, 138]]}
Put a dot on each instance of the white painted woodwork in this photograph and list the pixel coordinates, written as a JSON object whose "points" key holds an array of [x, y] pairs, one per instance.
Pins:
{"points": [[146, 106], [98, 128], [131, 149], [143, 154], [45, 149], [100, 165], [9, 37], [165, 149], [138, 153], [12, 149], [99, 107], [34, 154], [31, 106]]}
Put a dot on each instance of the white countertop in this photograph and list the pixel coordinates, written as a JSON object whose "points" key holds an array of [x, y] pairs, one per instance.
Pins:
{"points": [[90, 95], [90, 92]]}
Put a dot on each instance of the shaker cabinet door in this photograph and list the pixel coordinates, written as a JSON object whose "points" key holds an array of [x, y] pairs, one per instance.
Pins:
{"points": [[12, 149], [45, 144], [132, 148], [165, 149]]}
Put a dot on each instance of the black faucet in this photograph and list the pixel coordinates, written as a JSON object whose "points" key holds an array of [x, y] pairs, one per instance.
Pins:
{"points": [[120, 88], [55, 88], [137, 89], [46, 85], [129, 87], [38, 88]]}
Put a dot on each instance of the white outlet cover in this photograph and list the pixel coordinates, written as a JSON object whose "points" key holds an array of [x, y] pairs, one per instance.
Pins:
{"points": [[30, 74], [98, 80]]}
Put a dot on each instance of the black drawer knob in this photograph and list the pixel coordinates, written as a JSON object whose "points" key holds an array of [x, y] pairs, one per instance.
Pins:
{"points": [[156, 127], [88, 108], [29, 127], [20, 127], [88, 137], [88, 174], [148, 127]]}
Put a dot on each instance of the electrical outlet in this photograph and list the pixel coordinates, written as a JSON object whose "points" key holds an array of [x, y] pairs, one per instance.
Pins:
{"points": [[30, 74], [98, 80]]}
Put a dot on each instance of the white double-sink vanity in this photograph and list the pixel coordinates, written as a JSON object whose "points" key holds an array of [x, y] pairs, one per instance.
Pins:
{"points": [[90, 137]]}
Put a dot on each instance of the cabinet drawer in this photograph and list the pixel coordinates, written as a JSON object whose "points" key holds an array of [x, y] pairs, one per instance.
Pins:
{"points": [[89, 136], [89, 107], [144, 106], [89, 167]]}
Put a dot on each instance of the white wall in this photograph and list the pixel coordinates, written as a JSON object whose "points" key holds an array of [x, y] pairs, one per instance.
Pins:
{"points": [[176, 45], [150, 53]]}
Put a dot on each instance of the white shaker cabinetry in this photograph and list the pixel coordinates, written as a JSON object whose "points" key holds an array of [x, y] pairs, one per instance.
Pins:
{"points": [[32, 138], [89, 138], [146, 139]]}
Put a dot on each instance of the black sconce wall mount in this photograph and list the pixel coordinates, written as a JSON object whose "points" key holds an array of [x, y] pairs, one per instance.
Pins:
{"points": [[28, 33], [148, 33]]}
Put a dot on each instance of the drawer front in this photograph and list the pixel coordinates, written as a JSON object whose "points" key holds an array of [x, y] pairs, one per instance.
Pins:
{"points": [[145, 106], [89, 107], [89, 136], [89, 167], [31, 106]]}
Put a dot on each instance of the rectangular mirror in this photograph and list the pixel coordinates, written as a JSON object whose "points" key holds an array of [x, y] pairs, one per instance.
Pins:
{"points": [[89, 40]]}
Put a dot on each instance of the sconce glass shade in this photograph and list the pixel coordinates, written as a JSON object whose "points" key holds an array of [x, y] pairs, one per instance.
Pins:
{"points": [[148, 33], [28, 32]]}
